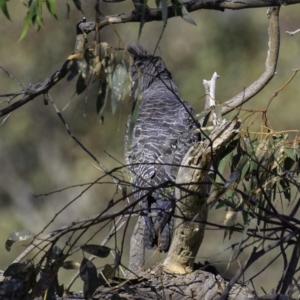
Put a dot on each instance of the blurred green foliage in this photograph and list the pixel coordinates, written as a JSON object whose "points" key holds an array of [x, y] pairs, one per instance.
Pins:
{"points": [[37, 155], [34, 15]]}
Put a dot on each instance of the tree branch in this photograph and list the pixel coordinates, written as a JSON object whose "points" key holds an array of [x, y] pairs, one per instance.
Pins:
{"points": [[192, 204], [253, 257], [271, 63], [42, 88], [155, 14]]}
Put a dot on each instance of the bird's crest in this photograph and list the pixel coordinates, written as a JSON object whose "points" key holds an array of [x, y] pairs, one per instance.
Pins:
{"points": [[149, 66]]}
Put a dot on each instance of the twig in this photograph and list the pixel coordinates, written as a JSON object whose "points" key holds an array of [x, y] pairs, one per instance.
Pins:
{"points": [[210, 91], [290, 271], [253, 257], [13, 78], [98, 218], [291, 33], [104, 242]]}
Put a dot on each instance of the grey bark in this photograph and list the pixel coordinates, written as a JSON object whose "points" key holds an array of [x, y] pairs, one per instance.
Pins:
{"points": [[137, 248], [191, 202]]}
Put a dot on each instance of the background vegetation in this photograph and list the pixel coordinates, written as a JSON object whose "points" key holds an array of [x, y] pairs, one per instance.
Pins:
{"points": [[37, 156]]}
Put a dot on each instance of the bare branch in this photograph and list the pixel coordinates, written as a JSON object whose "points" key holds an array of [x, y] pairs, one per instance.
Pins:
{"points": [[155, 14], [37, 89], [290, 271], [255, 255], [192, 204], [137, 248], [291, 33], [210, 91], [271, 63]]}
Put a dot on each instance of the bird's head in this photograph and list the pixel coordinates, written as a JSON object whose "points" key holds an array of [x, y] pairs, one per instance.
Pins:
{"points": [[146, 67]]}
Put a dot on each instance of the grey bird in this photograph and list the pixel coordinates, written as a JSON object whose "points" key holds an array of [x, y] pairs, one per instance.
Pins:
{"points": [[164, 130]]}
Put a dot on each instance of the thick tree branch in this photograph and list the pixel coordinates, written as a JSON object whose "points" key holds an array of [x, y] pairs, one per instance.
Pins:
{"points": [[137, 248], [271, 63], [155, 14], [37, 89], [192, 204]]}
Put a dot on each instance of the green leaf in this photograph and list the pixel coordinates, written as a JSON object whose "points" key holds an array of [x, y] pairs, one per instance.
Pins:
{"points": [[177, 6], [118, 80], [88, 274], [291, 153], [80, 85], [230, 147], [109, 70], [77, 3], [245, 170], [186, 16], [59, 289], [245, 215], [102, 99], [3, 7], [238, 246], [56, 252], [17, 236], [288, 163], [222, 165], [286, 189], [51, 5], [164, 11], [28, 20], [233, 178], [132, 119], [70, 265], [116, 297], [221, 203], [19, 268], [108, 271], [144, 13], [68, 10], [205, 118], [97, 250]]}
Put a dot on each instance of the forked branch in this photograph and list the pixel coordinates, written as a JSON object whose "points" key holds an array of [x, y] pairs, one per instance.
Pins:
{"points": [[191, 202]]}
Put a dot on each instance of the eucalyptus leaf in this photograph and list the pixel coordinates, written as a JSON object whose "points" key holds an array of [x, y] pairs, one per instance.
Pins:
{"points": [[118, 79], [77, 4], [51, 5], [164, 11], [186, 16], [88, 274], [80, 85], [17, 236], [71, 265], [4, 9], [97, 250]]}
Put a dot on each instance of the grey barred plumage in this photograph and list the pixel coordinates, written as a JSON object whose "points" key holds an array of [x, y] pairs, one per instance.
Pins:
{"points": [[163, 132]]}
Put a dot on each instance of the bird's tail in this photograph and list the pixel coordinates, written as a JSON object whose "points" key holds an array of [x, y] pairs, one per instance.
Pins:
{"points": [[159, 229]]}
